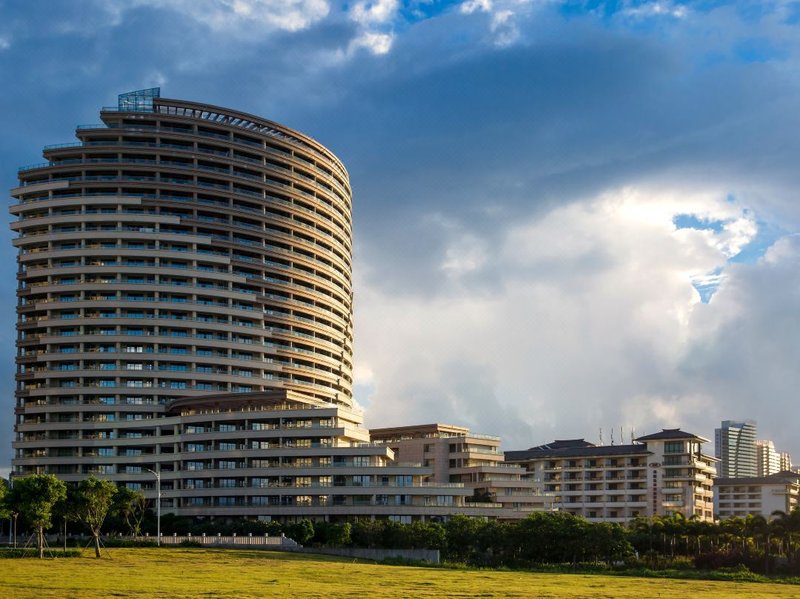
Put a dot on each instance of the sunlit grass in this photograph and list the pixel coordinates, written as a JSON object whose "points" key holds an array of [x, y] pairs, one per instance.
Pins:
{"points": [[242, 573]]}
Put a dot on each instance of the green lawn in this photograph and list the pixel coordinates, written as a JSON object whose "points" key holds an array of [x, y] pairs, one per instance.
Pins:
{"points": [[243, 573]]}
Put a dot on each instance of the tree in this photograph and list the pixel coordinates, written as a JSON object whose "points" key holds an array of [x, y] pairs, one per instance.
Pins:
{"points": [[4, 511], [786, 526], [302, 531], [34, 497], [93, 499], [130, 506]]}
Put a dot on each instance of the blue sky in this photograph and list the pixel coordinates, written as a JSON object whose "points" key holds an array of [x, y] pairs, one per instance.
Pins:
{"points": [[568, 215]]}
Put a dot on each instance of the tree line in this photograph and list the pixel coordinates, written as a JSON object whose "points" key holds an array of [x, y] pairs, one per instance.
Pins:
{"points": [[41, 499], [761, 544]]}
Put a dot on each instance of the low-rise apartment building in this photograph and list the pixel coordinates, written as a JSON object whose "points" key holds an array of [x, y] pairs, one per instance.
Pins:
{"points": [[759, 496], [270, 455], [458, 456], [659, 474]]}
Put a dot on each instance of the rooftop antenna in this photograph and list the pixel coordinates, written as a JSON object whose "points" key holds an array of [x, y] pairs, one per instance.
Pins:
{"points": [[632, 436], [612, 435], [621, 436], [601, 435]]}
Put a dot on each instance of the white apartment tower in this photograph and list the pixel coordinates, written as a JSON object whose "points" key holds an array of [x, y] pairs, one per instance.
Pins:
{"points": [[735, 447], [767, 458]]}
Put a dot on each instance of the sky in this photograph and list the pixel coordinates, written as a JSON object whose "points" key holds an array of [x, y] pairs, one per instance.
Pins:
{"points": [[569, 216]]}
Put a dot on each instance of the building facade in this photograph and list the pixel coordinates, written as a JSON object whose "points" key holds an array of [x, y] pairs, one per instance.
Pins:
{"points": [[785, 462], [735, 448], [458, 456], [759, 496], [768, 460], [185, 307], [659, 474]]}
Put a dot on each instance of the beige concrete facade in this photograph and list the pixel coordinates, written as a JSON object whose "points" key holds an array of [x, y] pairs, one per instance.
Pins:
{"points": [[759, 496], [660, 474], [456, 455]]}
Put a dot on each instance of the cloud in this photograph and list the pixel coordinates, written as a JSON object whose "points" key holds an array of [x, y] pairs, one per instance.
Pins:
{"points": [[592, 306], [243, 15], [518, 169], [659, 8], [375, 12], [503, 16], [375, 20], [376, 43]]}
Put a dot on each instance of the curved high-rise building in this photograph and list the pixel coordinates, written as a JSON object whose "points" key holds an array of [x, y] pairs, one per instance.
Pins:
{"points": [[180, 249], [185, 311]]}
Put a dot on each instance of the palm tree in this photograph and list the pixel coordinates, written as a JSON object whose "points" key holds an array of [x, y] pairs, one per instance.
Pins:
{"points": [[733, 531], [786, 526]]}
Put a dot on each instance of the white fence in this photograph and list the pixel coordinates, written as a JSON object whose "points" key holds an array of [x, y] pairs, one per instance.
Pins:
{"points": [[227, 541]]}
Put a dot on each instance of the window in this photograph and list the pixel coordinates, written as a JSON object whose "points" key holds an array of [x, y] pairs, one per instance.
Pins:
{"points": [[401, 519], [674, 447]]}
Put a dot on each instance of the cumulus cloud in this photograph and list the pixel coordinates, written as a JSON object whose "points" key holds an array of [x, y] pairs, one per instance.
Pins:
{"points": [[376, 43], [537, 229], [375, 20], [371, 12], [593, 308]]}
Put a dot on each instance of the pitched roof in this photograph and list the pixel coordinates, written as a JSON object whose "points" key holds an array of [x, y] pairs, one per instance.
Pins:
{"points": [[786, 476], [589, 450], [671, 433]]}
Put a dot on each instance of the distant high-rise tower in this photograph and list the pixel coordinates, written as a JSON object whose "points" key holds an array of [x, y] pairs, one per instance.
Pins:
{"points": [[735, 446], [767, 458], [784, 461]]}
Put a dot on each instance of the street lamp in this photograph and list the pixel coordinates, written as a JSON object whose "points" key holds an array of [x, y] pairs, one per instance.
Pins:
{"points": [[158, 504]]}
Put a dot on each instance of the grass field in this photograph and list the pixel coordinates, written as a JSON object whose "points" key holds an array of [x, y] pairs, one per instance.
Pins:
{"points": [[243, 573]]}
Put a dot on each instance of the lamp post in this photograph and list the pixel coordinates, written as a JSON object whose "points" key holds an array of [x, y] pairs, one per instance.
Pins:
{"points": [[158, 505]]}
